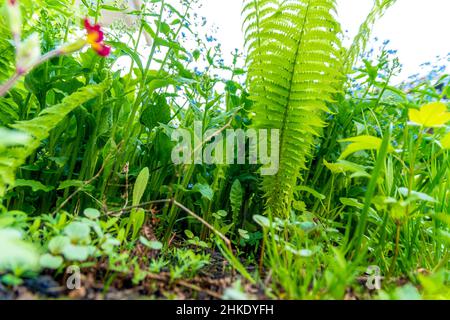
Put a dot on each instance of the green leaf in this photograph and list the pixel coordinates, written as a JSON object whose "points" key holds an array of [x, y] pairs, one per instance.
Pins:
{"points": [[15, 253], [160, 83], [126, 50], [156, 113], [39, 129], [189, 234], [343, 166], [307, 226], [78, 232], [416, 195], [154, 245], [140, 186], [236, 198], [262, 221], [137, 219], [205, 190], [91, 213], [71, 183], [363, 143], [76, 253], [34, 185], [57, 244], [377, 172], [49, 261], [311, 191], [244, 234], [445, 142], [351, 203]]}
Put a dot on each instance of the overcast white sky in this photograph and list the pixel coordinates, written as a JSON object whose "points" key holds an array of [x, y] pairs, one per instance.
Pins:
{"points": [[418, 29]]}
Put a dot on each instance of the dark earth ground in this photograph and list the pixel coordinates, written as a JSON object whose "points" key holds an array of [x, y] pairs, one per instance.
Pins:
{"points": [[208, 284]]}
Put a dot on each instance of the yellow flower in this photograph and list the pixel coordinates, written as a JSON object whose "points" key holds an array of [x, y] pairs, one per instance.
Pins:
{"points": [[430, 115], [445, 142]]}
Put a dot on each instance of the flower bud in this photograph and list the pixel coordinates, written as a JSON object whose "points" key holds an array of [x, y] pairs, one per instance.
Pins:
{"points": [[73, 47], [14, 17], [28, 54]]}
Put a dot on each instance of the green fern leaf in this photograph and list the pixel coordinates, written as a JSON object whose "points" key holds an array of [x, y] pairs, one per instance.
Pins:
{"points": [[294, 61]]}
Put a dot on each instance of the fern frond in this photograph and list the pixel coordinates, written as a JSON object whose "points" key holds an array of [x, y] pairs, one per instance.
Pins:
{"points": [[39, 129], [294, 63], [7, 53], [360, 41]]}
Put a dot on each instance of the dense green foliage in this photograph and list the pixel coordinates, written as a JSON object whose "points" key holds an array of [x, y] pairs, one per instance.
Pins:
{"points": [[87, 179]]}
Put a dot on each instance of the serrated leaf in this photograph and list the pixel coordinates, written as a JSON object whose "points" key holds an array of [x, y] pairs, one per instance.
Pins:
{"points": [[236, 197]]}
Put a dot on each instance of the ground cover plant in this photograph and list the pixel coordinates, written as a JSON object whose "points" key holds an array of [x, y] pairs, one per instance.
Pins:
{"points": [[93, 205]]}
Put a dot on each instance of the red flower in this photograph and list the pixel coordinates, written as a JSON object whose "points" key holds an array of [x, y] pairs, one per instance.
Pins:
{"points": [[95, 38]]}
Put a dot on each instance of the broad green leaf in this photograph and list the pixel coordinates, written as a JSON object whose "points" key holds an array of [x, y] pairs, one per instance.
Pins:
{"points": [[205, 190], [154, 245], [57, 244], [91, 213], [160, 83], [34, 185], [137, 219], [78, 232], [307, 226], [189, 234], [76, 253], [362, 143], [50, 262], [262, 221], [140, 186], [407, 292]]}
